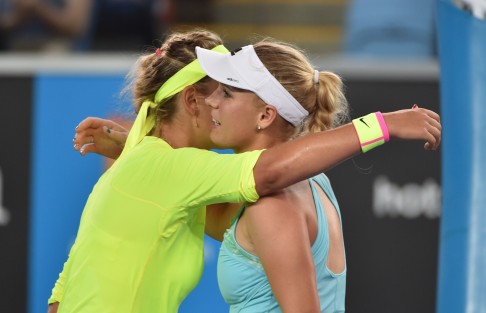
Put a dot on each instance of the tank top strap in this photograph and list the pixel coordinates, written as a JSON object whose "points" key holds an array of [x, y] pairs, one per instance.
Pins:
{"points": [[234, 219], [323, 181], [321, 244]]}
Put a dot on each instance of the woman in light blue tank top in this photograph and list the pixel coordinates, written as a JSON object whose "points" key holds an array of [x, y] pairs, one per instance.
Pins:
{"points": [[284, 253], [242, 279]]}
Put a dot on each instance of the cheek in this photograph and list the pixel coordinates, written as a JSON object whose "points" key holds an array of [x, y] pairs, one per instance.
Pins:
{"points": [[205, 115]]}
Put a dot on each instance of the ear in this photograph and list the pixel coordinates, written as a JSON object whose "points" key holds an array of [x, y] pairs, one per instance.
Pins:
{"points": [[188, 99], [267, 116]]}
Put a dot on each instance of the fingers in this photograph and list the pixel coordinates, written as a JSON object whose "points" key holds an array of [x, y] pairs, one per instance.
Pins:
{"points": [[416, 124], [435, 123], [94, 126], [434, 131], [86, 133], [87, 148], [433, 128], [431, 141], [90, 122], [116, 135], [433, 115], [84, 138], [100, 136]]}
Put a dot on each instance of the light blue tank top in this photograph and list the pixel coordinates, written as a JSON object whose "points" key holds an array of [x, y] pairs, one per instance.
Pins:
{"points": [[242, 280]]}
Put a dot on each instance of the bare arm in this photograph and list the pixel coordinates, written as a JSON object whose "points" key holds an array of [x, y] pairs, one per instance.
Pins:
{"points": [[52, 308], [280, 238], [288, 163]]}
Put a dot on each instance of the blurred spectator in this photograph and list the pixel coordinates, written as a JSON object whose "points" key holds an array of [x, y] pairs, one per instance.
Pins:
{"points": [[81, 25], [390, 28], [44, 25], [130, 24]]}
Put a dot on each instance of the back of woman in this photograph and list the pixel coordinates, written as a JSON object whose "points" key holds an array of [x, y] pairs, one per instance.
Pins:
{"points": [[264, 257]]}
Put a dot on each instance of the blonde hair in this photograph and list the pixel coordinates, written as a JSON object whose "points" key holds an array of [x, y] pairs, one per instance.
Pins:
{"points": [[154, 69], [325, 101]]}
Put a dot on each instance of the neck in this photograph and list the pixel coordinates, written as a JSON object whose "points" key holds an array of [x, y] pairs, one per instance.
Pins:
{"points": [[175, 134], [181, 133], [262, 141]]}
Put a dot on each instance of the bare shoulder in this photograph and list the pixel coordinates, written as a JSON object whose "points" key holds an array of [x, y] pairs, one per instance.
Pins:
{"points": [[285, 204]]}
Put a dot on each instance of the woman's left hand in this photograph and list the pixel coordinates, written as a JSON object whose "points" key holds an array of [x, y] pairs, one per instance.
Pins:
{"points": [[100, 136]]}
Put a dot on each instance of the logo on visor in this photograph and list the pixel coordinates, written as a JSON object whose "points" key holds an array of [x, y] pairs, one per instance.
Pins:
{"points": [[232, 80], [236, 51]]}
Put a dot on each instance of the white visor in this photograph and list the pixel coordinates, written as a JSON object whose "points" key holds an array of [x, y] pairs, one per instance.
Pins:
{"points": [[243, 69]]}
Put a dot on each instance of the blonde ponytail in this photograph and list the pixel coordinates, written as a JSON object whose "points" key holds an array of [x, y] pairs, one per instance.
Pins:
{"points": [[330, 108], [320, 94]]}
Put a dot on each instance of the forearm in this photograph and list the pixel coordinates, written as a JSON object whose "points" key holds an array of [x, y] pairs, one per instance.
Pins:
{"points": [[305, 157], [52, 308]]}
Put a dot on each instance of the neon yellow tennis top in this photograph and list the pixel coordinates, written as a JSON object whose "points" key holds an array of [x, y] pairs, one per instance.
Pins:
{"points": [[139, 246]]}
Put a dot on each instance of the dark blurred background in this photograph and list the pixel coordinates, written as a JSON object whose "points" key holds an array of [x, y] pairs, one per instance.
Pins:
{"points": [[391, 28]]}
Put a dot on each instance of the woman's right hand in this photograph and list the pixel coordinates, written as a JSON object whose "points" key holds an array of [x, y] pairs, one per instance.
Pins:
{"points": [[100, 136], [415, 124]]}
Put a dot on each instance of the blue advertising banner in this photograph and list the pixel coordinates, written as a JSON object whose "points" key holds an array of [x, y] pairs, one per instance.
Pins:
{"points": [[60, 180], [462, 256]]}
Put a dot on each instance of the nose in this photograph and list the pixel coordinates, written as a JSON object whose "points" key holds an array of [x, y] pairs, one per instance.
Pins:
{"points": [[211, 101]]}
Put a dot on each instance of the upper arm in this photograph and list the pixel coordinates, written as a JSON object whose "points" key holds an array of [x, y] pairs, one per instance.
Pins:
{"points": [[206, 177], [280, 238]]}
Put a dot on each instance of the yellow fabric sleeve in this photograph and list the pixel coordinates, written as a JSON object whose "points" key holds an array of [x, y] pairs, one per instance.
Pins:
{"points": [[58, 290]]}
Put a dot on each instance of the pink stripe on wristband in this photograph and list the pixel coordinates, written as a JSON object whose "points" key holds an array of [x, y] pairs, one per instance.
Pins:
{"points": [[372, 141], [384, 128]]}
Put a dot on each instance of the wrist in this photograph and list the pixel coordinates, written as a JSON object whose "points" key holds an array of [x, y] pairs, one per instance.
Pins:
{"points": [[372, 131]]}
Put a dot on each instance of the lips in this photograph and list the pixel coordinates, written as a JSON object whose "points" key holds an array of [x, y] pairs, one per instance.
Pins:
{"points": [[216, 122]]}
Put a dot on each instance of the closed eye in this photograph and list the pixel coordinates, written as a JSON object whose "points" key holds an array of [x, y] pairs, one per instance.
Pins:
{"points": [[226, 93]]}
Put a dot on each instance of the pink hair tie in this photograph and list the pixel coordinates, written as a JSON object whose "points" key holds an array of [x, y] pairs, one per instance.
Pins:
{"points": [[158, 51]]}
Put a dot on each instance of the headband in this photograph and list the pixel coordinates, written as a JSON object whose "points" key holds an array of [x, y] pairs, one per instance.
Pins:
{"points": [[188, 75]]}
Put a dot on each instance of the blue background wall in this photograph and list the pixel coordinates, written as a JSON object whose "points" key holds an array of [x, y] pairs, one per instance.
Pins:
{"points": [[61, 180], [462, 266]]}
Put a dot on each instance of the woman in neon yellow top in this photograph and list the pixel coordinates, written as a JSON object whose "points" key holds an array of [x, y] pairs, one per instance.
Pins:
{"points": [[139, 246]]}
